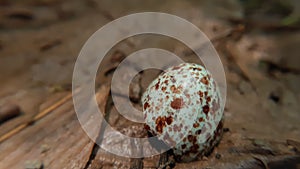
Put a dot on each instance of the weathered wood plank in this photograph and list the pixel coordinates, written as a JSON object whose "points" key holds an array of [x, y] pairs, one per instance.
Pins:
{"points": [[20, 144], [57, 140]]}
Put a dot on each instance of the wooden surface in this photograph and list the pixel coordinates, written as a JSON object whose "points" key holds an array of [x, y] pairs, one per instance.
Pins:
{"points": [[262, 111]]}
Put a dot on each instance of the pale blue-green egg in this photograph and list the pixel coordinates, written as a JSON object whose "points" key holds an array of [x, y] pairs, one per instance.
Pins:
{"points": [[182, 108]]}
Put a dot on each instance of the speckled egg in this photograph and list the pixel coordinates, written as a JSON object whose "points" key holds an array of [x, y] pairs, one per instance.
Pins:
{"points": [[182, 107]]}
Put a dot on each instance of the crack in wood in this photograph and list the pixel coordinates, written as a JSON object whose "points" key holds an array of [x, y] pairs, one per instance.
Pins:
{"points": [[99, 139]]}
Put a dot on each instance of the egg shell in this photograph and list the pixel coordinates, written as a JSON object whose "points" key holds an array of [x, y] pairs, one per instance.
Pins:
{"points": [[182, 108]]}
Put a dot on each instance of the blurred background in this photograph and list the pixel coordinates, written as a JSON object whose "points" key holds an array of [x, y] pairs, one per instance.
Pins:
{"points": [[257, 41]]}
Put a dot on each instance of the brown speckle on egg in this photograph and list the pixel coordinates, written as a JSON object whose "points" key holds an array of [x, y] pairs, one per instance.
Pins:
{"points": [[160, 124], [157, 85], [169, 120], [205, 109], [177, 103], [195, 125], [146, 105], [204, 80]]}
